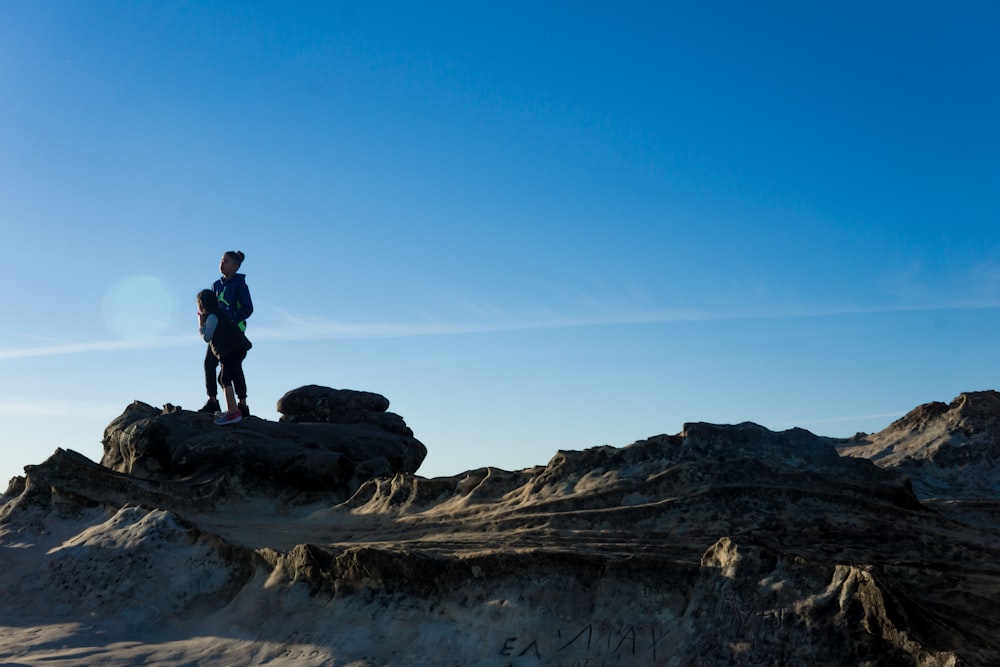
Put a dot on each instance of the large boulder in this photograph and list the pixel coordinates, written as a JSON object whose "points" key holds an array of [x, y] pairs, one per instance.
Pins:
{"points": [[316, 404], [261, 457]]}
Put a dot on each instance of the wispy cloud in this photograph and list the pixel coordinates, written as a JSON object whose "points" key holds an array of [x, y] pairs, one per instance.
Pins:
{"points": [[95, 346], [35, 337], [296, 328], [292, 327], [916, 282]]}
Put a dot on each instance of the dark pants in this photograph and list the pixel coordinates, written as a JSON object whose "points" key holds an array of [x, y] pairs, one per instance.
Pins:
{"points": [[230, 373], [211, 363]]}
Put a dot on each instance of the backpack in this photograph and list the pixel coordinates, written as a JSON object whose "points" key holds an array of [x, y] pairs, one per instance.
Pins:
{"points": [[228, 338]]}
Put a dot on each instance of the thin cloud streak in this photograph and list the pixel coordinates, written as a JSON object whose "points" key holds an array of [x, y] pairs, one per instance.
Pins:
{"points": [[304, 329], [298, 329], [96, 346]]}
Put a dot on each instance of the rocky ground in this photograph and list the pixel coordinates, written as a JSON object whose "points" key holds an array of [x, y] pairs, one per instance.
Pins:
{"points": [[312, 541]]}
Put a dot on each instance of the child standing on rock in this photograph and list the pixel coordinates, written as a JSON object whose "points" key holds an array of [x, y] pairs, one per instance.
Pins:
{"points": [[233, 298], [229, 346]]}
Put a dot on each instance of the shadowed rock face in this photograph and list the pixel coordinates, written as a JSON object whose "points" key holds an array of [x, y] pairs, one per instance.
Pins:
{"points": [[313, 403], [718, 545], [334, 440]]}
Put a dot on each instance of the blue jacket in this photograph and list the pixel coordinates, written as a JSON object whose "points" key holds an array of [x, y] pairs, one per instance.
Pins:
{"points": [[234, 298]]}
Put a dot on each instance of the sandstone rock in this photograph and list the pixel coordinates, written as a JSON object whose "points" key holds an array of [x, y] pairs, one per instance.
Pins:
{"points": [[720, 545], [256, 456], [317, 403], [950, 452], [314, 403]]}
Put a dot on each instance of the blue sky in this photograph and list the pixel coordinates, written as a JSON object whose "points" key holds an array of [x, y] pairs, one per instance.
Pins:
{"points": [[531, 226]]}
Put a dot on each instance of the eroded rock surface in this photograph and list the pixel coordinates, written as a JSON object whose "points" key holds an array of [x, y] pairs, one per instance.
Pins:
{"points": [[949, 451], [314, 403], [329, 449], [720, 545]]}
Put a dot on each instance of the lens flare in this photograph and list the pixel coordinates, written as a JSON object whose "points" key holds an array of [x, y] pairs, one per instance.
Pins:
{"points": [[139, 306]]}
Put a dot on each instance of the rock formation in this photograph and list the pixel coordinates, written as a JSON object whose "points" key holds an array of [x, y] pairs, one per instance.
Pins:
{"points": [[947, 450], [313, 542], [327, 441]]}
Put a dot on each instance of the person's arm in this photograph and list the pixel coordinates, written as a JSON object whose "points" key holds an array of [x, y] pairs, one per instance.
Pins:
{"points": [[207, 329], [244, 304]]}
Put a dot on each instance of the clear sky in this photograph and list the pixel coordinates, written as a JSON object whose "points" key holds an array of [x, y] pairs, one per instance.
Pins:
{"points": [[532, 226]]}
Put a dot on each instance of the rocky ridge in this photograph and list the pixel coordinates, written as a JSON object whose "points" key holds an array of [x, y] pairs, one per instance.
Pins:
{"points": [[947, 450], [315, 542]]}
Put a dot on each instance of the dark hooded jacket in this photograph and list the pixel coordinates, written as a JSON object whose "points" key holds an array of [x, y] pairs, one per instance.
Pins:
{"points": [[234, 298]]}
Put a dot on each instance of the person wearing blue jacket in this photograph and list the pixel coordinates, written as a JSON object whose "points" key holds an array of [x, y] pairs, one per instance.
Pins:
{"points": [[233, 296]]}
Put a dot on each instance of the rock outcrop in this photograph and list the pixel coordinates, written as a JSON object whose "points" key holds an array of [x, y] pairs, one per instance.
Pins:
{"points": [[332, 441], [949, 451], [720, 545], [317, 404]]}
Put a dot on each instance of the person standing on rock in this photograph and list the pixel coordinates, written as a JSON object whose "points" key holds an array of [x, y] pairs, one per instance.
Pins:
{"points": [[229, 345], [234, 302]]}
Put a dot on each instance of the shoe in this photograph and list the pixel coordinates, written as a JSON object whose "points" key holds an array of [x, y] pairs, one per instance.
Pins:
{"points": [[244, 410], [229, 418], [211, 405]]}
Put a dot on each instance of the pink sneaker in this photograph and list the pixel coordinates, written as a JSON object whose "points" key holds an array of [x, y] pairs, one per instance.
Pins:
{"points": [[229, 418]]}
